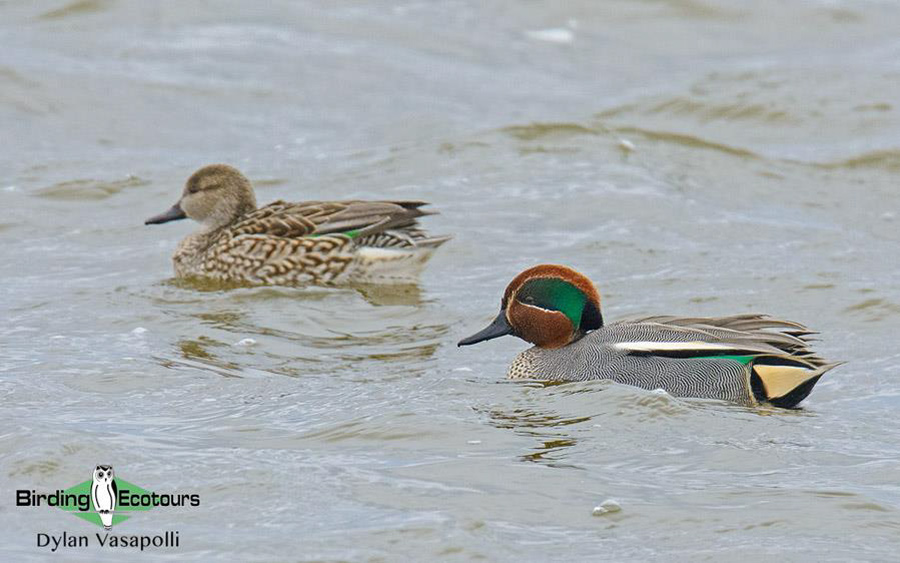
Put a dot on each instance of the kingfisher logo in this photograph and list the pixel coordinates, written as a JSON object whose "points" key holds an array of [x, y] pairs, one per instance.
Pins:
{"points": [[106, 501]]}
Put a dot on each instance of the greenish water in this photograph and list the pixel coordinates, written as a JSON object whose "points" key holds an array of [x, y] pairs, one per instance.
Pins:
{"points": [[696, 158]]}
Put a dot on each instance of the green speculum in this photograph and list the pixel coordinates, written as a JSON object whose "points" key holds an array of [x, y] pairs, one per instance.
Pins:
{"points": [[740, 359], [554, 295], [352, 234]]}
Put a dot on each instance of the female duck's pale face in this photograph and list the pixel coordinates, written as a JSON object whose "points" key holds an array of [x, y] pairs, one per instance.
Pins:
{"points": [[214, 195], [203, 194]]}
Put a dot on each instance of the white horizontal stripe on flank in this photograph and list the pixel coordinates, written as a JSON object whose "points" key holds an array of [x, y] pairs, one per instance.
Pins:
{"points": [[649, 346]]}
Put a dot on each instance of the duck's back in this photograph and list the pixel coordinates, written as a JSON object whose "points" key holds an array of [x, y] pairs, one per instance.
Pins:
{"points": [[728, 358]]}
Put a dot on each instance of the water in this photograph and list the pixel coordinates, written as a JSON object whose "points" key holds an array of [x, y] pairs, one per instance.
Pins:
{"points": [[691, 157]]}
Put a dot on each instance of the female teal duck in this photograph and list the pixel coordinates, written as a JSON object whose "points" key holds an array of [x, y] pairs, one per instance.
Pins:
{"points": [[319, 242], [747, 359]]}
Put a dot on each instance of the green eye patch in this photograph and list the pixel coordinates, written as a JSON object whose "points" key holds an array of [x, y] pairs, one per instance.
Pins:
{"points": [[554, 295]]}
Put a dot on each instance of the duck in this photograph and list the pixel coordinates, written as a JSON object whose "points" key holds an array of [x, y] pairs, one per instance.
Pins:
{"points": [[748, 359], [282, 243]]}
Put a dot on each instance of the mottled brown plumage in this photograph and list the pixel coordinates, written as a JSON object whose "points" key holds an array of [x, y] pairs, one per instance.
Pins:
{"points": [[318, 242]]}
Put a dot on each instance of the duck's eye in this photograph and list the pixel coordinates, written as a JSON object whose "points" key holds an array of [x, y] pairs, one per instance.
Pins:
{"points": [[529, 299]]}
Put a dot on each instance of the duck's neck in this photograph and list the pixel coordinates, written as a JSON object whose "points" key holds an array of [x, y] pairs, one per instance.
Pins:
{"points": [[190, 250], [226, 215], [554, 364], [214, 223], [578, 336]]}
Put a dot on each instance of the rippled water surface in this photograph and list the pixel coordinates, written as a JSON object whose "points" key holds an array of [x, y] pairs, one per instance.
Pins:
{"points": [[692, 157]]}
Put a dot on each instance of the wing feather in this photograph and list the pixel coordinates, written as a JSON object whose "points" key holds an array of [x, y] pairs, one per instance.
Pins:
{"points": [[748, 334], [294, 220]]}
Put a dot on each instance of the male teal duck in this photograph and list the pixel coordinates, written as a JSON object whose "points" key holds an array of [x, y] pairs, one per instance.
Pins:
{"points": [[747, 359], [314, 242]]}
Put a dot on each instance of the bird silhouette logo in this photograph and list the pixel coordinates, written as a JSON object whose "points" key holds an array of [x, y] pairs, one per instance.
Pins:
{"points": [[104, 494]]}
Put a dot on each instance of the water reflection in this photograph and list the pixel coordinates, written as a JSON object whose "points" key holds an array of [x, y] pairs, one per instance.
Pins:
{"points": [[530, 419], [550, 452], [196, 349], [402, 295], [302, 331], [549, 424]]}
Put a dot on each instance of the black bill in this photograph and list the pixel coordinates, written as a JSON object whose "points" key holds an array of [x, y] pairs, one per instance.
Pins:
{"points": [[173, 214], [500, 327]]}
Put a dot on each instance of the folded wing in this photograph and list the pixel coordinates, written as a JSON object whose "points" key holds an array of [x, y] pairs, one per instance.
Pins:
{"points": [[783, 368], [315, 218]]}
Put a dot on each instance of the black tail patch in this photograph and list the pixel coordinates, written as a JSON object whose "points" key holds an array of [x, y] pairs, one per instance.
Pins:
{"points": [[788, 401], [799, 393]]}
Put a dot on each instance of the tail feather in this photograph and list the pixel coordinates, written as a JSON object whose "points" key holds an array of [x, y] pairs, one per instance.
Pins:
{"points": [[433, 242]]}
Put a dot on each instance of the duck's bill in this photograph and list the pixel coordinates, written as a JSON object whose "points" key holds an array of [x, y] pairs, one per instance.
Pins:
{"points": [[173, 214], [500, 327]]}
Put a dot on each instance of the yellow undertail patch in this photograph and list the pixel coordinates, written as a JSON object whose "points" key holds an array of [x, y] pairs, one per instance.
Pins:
{"points": [[778, 381]]}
